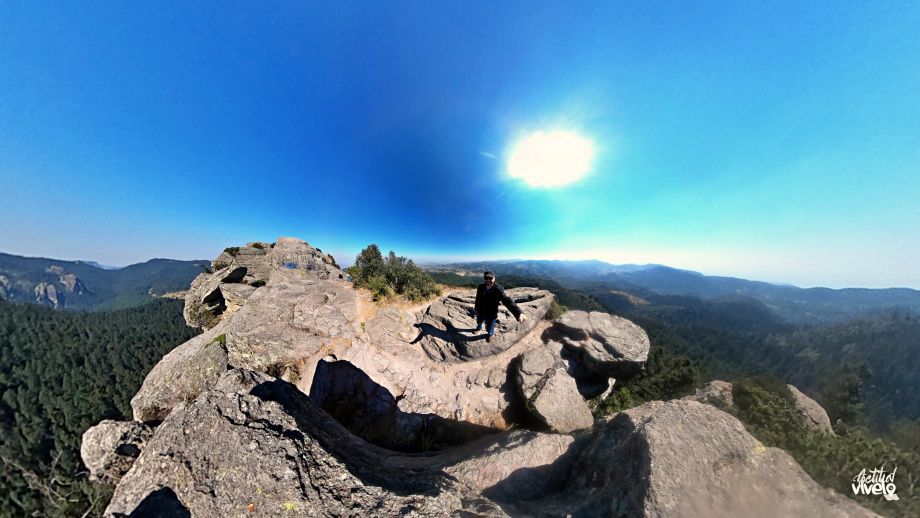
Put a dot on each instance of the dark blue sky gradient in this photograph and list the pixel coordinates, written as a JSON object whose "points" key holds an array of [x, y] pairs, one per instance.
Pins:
{"points": [[777, 141]]}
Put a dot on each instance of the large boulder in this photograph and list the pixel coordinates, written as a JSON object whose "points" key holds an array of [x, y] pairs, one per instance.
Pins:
{"points": [[813, 414], [292, 318], [606, 344], [549, 393], [716, 392], [686, 459], [274, 452], [204, 300], [213, 296], [110, 448], [181, 375]]}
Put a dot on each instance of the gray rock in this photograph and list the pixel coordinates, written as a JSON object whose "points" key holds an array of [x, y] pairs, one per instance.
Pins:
{"points": [[513, 466], [236, 294], [534, 366], [207, 302], [550, 393], [812, 413], [291, 318], [306, 312], [716, 392], [605, 344], [109, 449], [275, 453], [204, 300], [181, 376], [686, 459], [46, 293], [240, 381]]}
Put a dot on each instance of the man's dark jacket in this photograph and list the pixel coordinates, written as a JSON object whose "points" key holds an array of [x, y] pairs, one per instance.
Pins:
{"points": [[487, 302]]}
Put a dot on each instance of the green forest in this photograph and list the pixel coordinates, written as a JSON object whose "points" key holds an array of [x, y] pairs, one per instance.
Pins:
{"points": [[864, 372], [60, 373]]}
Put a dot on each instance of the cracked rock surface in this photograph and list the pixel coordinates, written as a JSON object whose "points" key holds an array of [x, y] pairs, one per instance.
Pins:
{"points": [[550, 393], [606, 344]]}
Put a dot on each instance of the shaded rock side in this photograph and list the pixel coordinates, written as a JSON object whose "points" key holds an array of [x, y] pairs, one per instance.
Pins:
{"points": [[686, 459], [549, 393], [275, 453], [109, 449], [813, 414], [605, 344], [181, 375]]}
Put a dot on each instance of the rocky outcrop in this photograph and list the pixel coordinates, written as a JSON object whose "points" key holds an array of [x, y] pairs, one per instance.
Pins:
{"points": [[274, 452], [605, 344], [213, 296], [303, 397], [550, 393], [185, 372], [46, 293], [683, 458], [109, 449], [813, 414], [260, 445], [717, 393], [69, 281]]}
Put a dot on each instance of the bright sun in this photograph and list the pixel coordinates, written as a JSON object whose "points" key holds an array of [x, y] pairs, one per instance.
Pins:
{"points": [[551, 158]]}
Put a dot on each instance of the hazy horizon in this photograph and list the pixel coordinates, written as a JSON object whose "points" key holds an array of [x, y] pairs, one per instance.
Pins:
{"points": [[773, 142], [346, 259]]}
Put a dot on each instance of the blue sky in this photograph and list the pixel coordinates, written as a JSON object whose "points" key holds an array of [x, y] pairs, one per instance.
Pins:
{"points": [[778, 141]]}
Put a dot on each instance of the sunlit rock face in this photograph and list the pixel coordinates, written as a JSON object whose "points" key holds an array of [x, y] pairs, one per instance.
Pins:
{"points": [[812, 413], [605, 344], [304, 397]]}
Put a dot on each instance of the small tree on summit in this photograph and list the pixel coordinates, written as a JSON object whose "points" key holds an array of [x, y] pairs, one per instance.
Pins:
{"points": [[397, 274], [368, 264]]}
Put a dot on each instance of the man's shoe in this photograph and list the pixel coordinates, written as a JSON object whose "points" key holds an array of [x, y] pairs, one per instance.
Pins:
{"points": [[488, 338]]}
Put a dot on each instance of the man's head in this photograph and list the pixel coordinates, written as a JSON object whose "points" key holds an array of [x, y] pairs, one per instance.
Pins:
{"points": [[489, 278]]}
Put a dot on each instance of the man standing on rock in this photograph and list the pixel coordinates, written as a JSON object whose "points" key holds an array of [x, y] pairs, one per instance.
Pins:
{"points": [[488, 295]]}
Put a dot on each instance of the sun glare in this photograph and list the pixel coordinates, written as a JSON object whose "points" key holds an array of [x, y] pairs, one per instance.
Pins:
{"points": [[551, 158]]}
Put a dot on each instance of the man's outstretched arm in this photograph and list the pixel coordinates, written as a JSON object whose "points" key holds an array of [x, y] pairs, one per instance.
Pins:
{"points": [[512, 307]]}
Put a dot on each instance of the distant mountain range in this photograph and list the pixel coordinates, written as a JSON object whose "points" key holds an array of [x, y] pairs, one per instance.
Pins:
{"points": [[84, 285], [792, 304]]}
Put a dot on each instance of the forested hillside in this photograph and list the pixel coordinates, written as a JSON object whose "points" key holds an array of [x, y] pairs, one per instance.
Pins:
{"points": [[733, 337], [792, 304], [84, 285], [60, 373], [864, 372]]}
